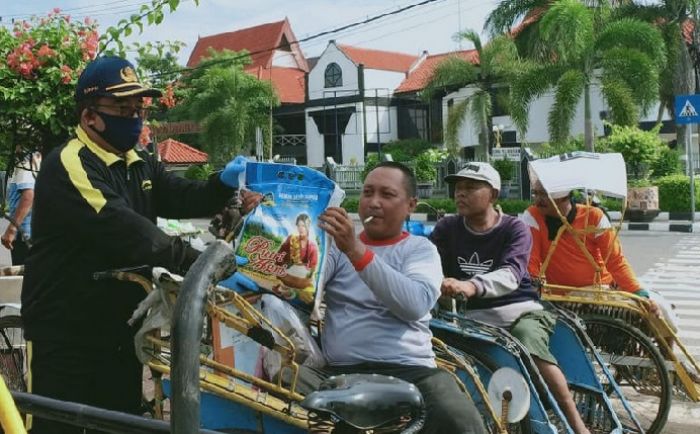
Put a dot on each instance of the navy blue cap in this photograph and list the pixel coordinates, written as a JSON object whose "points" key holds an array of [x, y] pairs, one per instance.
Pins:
{"points": [[111, 76]]}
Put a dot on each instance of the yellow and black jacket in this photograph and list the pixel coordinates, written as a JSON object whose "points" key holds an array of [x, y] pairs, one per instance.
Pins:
{"points": [[94, 211]]}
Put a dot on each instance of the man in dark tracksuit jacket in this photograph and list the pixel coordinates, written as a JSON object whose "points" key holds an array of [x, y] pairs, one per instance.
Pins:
{"points": [[95, 209]]}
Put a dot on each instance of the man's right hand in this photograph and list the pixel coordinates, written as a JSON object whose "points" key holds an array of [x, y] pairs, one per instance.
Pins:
{"points": [[8, 238], [457, 288]]}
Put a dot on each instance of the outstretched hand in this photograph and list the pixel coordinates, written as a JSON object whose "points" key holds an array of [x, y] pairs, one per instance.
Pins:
{"points": [[338, 224]]}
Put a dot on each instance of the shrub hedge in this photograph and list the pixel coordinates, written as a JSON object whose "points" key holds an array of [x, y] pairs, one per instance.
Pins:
{"points": [[509, 206], [674, 193]]}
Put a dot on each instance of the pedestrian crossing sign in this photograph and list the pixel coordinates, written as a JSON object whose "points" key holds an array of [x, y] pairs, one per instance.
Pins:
{"points": [[686, 109]]}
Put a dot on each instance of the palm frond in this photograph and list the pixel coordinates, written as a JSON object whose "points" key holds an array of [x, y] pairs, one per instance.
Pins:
{"points": [[629, 33], [480, 112], [636, 71], [471, 36], [455, 119], [649, 13], [623, 110], [567, 28], [452, 73], [568, 93], [508, 12], [499, 57], [530, 83]]}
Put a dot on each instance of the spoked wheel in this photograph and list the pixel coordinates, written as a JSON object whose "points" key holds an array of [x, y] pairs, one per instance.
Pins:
{"points": [[638, 368], [13, 353], [485, 367]]}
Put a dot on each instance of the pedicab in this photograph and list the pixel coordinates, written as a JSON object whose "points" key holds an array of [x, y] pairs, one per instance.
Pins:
{"points": [[234, 395], [599, 400], [643, 352]]}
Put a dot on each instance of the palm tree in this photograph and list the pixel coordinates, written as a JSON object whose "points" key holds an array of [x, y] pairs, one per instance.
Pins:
{"points": [[581, 47], [670, 16], [672, 19], [496, 62]]}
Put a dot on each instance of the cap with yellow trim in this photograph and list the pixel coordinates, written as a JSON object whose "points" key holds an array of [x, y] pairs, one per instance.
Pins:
{"points": [[111, 76]]}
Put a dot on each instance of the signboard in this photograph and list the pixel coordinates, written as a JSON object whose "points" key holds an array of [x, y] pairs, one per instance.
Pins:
{"points": [[687, 109]]}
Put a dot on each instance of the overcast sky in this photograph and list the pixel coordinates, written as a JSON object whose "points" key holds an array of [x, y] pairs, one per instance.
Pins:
{"points": [[430, 27]]}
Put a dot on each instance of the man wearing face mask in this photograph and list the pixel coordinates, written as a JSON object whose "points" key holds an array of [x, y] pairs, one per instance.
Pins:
{"points": [[95, 207]]}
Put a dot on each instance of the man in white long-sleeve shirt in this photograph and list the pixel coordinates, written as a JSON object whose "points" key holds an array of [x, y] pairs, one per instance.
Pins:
{"points": [[380, 288]]}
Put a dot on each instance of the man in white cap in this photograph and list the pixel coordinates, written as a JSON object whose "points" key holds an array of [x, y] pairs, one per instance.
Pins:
{"points": [[484, 256]]}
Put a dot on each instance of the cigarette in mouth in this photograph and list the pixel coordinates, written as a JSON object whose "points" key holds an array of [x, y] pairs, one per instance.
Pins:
{"points": [[368, 219]]}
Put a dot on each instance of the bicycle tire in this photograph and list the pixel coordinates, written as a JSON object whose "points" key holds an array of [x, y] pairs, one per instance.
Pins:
{"points": [[13, 353], [622, 343]]}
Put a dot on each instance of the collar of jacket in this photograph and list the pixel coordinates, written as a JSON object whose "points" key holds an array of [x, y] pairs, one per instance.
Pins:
{"points": [[109, 158]]}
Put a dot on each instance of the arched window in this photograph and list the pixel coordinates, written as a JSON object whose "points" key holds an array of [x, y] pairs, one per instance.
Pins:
{"points": [[334, 75]]}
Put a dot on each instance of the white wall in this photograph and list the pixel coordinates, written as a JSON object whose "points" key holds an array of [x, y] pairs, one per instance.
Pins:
{"points": [[317, 79], [352, 141], [284, 59], [388, 124], [468, 134], [384, 81], [314, 143]]}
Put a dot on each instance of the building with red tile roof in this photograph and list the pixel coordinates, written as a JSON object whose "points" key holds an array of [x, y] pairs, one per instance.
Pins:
{"points": [[274, 52], [379, 59], [419, 76], [289, 82], [172, 152]]}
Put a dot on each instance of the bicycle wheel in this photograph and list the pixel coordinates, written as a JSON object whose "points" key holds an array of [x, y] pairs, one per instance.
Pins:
{"points": [[637, 366], [485, 367], [13, 353]]}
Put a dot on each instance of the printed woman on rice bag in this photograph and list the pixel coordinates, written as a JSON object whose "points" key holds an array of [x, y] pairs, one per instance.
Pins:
{"points": [[300, 254]]}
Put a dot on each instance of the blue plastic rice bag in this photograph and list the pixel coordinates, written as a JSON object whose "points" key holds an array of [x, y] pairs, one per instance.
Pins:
{"points": [[281, 247]]}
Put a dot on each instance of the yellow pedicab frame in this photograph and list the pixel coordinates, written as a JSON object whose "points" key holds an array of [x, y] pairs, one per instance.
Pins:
{"points": [[627, 306], [273, 399]]}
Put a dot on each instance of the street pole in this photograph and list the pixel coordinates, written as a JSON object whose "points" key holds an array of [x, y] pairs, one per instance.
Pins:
{"points": [[689, 144]]}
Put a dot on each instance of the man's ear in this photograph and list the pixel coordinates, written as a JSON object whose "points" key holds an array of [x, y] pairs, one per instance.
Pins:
{"points": [[87, 117], [494, 195], [412, 204]]}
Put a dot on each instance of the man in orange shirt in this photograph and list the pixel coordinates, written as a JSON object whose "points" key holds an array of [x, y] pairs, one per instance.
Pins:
{"points": [[569, 265]]}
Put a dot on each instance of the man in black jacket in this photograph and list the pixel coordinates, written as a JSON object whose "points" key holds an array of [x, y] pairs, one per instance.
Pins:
{"points": [[96, 202]]}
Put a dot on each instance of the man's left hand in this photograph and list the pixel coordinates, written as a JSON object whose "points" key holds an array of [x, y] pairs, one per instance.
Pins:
{"points": [[338, 224]]}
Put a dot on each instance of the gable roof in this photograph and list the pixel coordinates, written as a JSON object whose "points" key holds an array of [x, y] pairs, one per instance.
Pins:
{"points": [[173, 152], [261, 41], [288, 82], [419, 76], [378, 59]]}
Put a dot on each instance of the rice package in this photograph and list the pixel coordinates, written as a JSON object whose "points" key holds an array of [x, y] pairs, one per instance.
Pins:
{"points": [[281, 247]]}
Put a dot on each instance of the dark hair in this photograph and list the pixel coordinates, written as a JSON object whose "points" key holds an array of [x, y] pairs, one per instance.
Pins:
{"points": [[408, 176], [304, 218]]}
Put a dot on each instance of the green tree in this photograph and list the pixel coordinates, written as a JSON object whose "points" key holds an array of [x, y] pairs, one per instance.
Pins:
{"points": [[229, 103], [40, 61], [497, 61], [639, 148], [672, 18], [586, 47]]}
